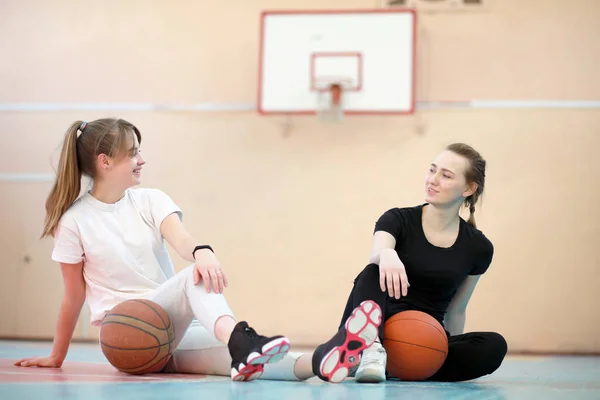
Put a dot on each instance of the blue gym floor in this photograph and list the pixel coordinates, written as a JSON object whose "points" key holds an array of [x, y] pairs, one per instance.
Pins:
{"points": [[86, 374]]}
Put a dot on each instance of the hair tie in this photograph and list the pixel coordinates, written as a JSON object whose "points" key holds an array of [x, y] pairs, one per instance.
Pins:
{"points": [[82, 126]]}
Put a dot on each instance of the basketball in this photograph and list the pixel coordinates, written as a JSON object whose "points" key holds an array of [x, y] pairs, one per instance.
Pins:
{"points": [[416, 345], [137, 337]]}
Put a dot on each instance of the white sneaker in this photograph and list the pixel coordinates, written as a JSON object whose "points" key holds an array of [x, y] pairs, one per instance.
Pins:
{"points": [[372, 365]]}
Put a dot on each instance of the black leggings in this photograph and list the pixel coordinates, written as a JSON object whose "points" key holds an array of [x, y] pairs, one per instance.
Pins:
{"points": [[470, 356]]}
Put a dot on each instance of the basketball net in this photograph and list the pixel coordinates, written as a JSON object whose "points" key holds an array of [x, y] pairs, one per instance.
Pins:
{"points": [[330, 107]]}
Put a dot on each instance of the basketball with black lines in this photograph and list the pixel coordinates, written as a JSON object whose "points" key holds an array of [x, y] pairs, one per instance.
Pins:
{"points": [[137, 337], [416, 345]]}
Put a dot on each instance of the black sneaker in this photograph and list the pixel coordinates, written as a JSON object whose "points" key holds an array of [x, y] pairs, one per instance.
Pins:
{"points": [[250, 351], [332, 361]]}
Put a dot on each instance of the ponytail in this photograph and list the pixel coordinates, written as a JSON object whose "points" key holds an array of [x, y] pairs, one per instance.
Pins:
{"points": [[471, 220], [67, 183], [475, 174], [113, 137]]}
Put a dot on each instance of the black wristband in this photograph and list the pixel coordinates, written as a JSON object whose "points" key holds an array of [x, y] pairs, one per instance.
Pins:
{"points": [[204, 246]]}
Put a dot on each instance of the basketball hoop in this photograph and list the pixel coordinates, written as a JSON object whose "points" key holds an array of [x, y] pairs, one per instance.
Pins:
{"points": [[330, 96], [303, 53]]}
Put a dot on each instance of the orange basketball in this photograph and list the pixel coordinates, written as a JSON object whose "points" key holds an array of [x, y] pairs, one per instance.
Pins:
{"points": [[137, 337], [416, 345]]}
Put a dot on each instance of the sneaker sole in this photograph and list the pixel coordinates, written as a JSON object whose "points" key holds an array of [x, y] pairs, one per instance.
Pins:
{"points": [[369, 376], [361, 331], [271, 352]]}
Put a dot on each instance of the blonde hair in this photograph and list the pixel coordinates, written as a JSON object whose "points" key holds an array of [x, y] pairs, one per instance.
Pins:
{"points": [[83, 142], [475, 174]]}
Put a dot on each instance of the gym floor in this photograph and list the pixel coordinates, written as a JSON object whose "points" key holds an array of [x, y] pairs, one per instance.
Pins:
{"points": [[86, 373]]}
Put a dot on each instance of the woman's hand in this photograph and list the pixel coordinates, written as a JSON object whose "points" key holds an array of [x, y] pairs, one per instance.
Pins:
{"points": [[392, 274], [208, 268], [44, 362]]}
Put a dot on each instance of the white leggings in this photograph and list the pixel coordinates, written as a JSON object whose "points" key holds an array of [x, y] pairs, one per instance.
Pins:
{"points": [[194, 313]]}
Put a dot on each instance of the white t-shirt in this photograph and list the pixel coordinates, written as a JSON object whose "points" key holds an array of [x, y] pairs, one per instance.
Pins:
{"points": [[124, 253]]}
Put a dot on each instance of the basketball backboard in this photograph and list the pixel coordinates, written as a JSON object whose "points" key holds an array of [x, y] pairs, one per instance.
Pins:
{"points": [[369, 53]]}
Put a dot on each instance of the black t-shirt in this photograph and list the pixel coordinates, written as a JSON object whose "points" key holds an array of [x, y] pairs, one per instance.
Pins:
{"points": [[434, 273]]}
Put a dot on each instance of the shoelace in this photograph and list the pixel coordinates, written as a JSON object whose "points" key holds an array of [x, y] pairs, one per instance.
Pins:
{"points": [[373, 356], [251, 333]]}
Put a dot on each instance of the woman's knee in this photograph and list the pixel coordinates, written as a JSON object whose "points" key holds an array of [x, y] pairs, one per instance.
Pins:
{"points": [[370, 272], [500, 345], [186, 275], [497, 349], [188, 271], [168, 291]]}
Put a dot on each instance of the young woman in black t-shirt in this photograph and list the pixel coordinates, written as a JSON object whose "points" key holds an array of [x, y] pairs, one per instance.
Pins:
{"points": [[425, 258]]}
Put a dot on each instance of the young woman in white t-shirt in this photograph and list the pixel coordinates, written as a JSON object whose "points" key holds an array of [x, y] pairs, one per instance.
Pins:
{"points": [[110, 244]]}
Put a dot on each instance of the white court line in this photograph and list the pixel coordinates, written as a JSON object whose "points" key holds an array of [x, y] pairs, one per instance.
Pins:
{"points": [[52, 373], [229, 107], [224, 107], [541, 104], [198, 107], [26, 177], [114, 378]]}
